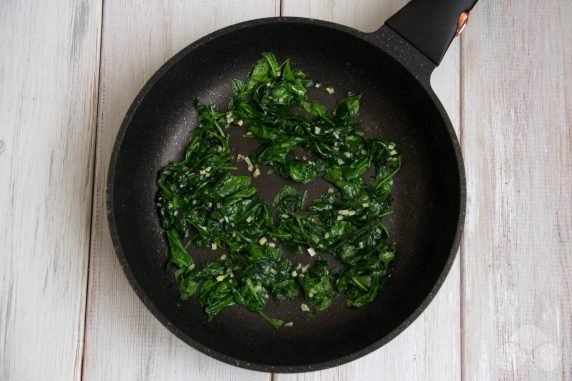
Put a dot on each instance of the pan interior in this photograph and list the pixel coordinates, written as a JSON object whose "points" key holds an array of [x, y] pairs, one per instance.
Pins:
{"points": [[394, 106]]}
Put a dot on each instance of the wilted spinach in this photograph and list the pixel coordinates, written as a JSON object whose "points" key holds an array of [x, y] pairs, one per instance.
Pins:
{"points": [[204, 203]]}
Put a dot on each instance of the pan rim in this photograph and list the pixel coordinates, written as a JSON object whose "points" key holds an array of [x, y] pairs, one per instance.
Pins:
{"points": [[155, 78]]}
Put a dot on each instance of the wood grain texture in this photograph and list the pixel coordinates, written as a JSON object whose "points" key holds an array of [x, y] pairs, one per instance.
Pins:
{"points": [[430, 347], [48, 91], [517, 141], [124, 341]]}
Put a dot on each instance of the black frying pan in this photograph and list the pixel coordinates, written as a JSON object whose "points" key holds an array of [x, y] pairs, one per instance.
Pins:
{"points": [[391, 68]]}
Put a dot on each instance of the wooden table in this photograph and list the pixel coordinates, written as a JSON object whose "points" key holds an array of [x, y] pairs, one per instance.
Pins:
{"points": [[69, 70]]}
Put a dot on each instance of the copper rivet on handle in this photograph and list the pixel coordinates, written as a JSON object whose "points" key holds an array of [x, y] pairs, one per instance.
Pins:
{"points": [[462, 23]]}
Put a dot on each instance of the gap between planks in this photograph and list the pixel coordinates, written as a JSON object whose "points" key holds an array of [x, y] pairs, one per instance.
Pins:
{"points": [[91, 243]]}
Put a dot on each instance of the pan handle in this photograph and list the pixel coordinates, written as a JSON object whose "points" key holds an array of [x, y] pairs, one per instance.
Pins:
{"points": [[431, 25]]}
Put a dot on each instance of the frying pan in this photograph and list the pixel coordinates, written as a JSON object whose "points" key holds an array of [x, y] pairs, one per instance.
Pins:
{"points": [[391, 68]]}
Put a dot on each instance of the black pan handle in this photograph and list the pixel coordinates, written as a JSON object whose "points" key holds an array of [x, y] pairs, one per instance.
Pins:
{"points": [[431, 25]]}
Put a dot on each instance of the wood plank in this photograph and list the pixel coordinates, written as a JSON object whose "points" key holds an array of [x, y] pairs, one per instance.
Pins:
{"points": [[48, 93], [430, 347], [517, 140], [124, 341]]}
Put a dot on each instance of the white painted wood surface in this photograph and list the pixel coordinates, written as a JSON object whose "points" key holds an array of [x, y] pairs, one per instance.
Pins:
{"points": [[123, 340], [430, 348], [49, 57], [517, 141], [505, 310]]}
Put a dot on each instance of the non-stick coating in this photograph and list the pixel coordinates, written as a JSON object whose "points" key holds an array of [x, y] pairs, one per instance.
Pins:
{"points": [[427, 193]]}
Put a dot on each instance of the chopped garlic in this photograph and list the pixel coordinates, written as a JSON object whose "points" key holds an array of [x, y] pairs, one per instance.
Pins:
{"points": [[272, 271], [262, 241], [346, 212], [339, 218], [239, 157], [348, 154], [330, 90], [361, 245], [317, 130], [327, 235], [249, 163], [223, 257], [391, 146], [311, 251], [336, 135], [256, 172], [240, 122], [304, 307], [317, 85], [305, 268], [289, 324], [393, 153], [220, 278], [213, 246], [294, 274], [272, 244], [248, 219], [365, 205], [330, 190]]}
